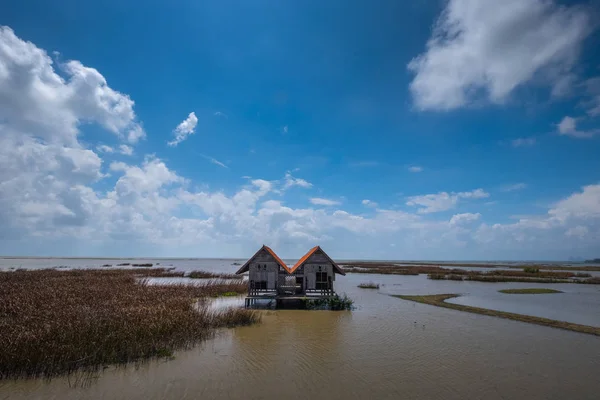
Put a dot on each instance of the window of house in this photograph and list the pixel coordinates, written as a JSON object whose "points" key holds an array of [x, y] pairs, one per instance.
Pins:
{"points": [[321, 281]]}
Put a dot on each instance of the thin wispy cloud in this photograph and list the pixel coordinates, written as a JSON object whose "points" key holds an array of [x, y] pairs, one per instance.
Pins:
{"points": [[442, 201], [513, 187], [214, 161], [284, 129], [105, 149], [364, 164], [220, 114], [369, 203], [126, 150], [523, 142], [290, 181], [415, 169], [319, 201], [186, 128]]}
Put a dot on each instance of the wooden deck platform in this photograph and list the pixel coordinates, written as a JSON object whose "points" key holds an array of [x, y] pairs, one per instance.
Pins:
{"points": [[279, 299]]}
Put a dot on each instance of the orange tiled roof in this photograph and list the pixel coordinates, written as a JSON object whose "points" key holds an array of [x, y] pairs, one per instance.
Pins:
{"points": [[304, 258], [279, 260], [289, 270], [310, 253], [244, 267]]}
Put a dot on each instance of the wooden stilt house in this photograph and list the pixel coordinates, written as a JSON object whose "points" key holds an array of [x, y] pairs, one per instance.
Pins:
{"points": [[268, 276]]}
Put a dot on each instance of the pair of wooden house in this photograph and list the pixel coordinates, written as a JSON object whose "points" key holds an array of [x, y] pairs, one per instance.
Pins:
{"points": [[268, 276]]}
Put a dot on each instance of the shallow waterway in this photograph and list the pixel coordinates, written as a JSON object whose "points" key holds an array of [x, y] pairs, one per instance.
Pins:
{"points": [[385, 349]]}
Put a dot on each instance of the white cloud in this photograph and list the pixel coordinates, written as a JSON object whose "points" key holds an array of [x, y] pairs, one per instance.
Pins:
{"points": [[369, 203], [576, 217], [54, 197], [284, 129], [523, 142], [318, 201], [513, 187], [465, 218], [568, 127], [290, 181], [125, 150], [105, 149], [489, 48], [443, 201], [578, 231], [34, 98], [415, 169], [186, 128], [215, 161]]}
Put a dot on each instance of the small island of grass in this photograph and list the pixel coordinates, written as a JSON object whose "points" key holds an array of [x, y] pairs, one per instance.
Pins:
{"points": [[369, 285], [439, 300], [529, 291]]}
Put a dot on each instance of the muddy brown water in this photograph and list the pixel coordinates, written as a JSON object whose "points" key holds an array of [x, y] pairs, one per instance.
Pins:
{"points": [[385, 349]]}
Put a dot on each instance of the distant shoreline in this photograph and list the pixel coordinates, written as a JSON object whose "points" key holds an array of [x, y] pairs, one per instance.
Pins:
{"points": [[339, 260]]}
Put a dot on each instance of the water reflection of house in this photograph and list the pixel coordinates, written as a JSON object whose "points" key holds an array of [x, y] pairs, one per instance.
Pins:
{"points": [[269, 277]]}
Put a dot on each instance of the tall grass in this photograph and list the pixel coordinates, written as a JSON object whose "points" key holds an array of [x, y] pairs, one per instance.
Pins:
{"points": [[56, 322]]}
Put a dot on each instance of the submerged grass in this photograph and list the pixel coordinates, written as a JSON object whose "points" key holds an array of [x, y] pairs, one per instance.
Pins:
{"points": [[369, 285], [334, 303], [439, 300], [57, 322], [529, 291]]}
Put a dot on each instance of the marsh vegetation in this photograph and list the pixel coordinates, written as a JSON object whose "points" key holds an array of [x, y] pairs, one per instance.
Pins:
{"points": [[529, 291], [56, 322]]}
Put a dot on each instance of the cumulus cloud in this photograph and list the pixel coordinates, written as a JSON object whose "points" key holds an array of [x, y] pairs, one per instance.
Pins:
{"points": [[54, 188], [442, 201], [34, 98], [318, 201], [523, 142], [568, 127], [576, 217], [489, 48], [415, 169], [186, 128]]}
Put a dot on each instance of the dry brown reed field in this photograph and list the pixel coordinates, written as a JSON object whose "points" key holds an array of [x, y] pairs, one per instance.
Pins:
{"points": [[416, 266], [211, 275], [436, 272], [57, 322]]}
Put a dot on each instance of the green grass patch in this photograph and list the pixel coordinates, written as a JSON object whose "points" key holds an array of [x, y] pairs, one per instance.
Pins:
{"points": [[529, 291], [334, 303], [439, 300]]}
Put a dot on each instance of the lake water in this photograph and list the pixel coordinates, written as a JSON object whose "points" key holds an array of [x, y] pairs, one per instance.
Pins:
{"points": [[385, 349]]}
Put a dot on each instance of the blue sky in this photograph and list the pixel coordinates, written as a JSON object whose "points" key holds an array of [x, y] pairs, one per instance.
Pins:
{"points": [[458, 129]]}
